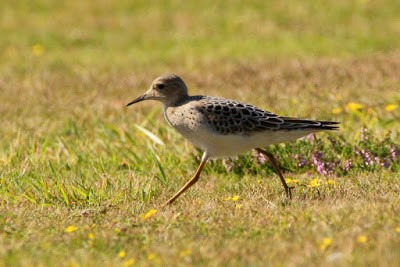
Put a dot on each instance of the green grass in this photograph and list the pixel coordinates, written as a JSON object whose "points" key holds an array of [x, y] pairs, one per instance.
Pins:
{"points": [[72, 154]]}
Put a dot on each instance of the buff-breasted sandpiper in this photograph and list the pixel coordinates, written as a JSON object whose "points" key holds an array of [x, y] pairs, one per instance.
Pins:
{"points": [[223, 127]]}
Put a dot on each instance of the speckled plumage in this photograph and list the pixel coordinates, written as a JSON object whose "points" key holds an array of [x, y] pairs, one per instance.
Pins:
{"points": [[231, 117], [223, 127]]}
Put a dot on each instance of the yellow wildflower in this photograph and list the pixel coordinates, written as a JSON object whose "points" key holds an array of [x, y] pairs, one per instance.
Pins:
{"points": [[362, 239], [353, 106], [398, 229], [91, 236], [129, 262], [71, 229], [337, 111], [325, 243], [235, 198], [238, 206], [121, 254], [331, 182], [37, 50], [315, 182], [186, 252], [292, 181], [149, 214], [391, 107], [154, 258]]}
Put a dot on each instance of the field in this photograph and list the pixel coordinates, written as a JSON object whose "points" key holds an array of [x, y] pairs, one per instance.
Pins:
{"points": [[83, 177]]}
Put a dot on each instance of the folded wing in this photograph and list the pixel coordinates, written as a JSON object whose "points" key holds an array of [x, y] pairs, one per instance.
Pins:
{"points": [[232, 117]]}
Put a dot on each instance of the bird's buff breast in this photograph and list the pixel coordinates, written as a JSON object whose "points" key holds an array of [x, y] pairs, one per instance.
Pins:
{"points": [[191, 125], [187, 121]]}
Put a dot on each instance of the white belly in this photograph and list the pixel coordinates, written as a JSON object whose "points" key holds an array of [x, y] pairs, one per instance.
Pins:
{"points": [[219, 146]]}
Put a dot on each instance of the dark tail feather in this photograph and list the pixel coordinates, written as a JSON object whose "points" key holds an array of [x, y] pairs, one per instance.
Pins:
{"points": [[297, 124]]}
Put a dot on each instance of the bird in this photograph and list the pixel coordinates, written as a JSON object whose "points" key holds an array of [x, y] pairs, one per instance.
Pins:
{"points": [[225, 128]]}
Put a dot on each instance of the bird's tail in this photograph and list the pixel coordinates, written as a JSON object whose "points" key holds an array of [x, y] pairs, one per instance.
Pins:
{"points": [[303, 124]]}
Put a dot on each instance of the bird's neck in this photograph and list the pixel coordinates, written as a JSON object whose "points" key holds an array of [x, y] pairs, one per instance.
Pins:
{"points": [[176, 101]]}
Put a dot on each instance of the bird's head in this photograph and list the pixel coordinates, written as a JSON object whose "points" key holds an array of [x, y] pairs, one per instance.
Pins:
{"points": [[168, 89]]}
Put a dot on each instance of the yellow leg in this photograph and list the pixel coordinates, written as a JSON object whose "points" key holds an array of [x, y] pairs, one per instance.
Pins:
{"points": [[278, 171], [191, 181]]}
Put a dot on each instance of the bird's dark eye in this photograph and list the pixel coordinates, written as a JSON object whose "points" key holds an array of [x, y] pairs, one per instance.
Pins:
{"points": [[160, 86]]}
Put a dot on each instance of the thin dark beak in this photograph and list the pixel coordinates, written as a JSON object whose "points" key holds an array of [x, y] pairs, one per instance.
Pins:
{"points": [[140, 98]]}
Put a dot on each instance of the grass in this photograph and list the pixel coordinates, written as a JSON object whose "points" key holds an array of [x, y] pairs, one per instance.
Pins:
{"points": [[80, 174]]}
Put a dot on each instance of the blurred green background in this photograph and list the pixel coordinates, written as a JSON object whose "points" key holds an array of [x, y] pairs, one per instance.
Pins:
{"points": [[142, 34]]}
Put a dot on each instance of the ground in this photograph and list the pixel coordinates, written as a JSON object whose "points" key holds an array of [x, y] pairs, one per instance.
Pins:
{"points": [[82, 177]]}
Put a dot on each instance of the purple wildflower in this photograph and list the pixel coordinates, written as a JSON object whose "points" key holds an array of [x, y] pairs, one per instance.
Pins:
{"points": [[331, 166], [348, 164], [228, 164], [367, 157], [310, 137], [364, 134], [385, 163], [395, 152], [317, 159], [261, 158], [302, 160], [377, 160]]}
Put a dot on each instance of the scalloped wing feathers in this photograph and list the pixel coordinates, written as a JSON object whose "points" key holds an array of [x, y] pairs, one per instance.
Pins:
{"points": [[232, 117]]}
